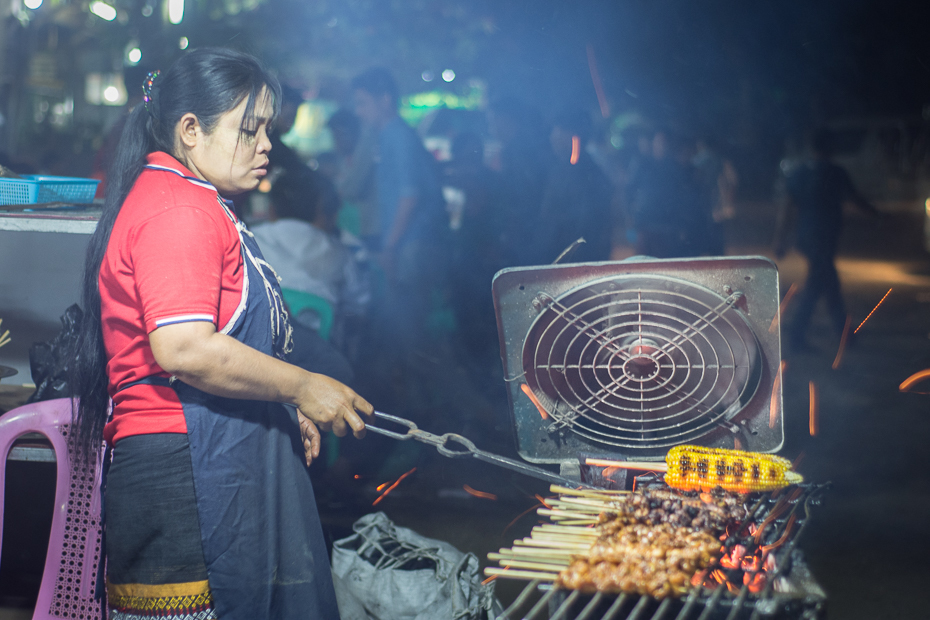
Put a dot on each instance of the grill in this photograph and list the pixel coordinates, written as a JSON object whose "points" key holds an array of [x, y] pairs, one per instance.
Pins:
{"points": [[624, 360], [789, 590]]}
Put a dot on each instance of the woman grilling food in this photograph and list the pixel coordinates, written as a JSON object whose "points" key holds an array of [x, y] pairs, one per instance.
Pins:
{"points": [[209, 510]]}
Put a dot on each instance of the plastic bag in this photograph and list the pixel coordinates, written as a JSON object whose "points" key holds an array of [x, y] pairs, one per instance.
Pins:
{"points": [[386, 572], [48, 361]]}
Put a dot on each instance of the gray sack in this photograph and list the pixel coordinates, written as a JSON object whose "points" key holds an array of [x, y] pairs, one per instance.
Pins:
{"points": [[385, 572]]}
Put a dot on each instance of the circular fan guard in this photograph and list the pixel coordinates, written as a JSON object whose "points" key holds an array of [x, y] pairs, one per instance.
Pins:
{"points": [[642, 361]]}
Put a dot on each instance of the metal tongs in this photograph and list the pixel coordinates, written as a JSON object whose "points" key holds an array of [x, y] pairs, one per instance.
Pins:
{"points": [[444, 444]]}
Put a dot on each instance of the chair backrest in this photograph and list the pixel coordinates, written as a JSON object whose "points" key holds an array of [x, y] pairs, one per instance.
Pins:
{"points": [[298, 301], [67, 588]]}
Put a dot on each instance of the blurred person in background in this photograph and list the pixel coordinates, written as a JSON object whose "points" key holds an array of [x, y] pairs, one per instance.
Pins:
{"points": [[718, 179], [285, 160], [301, 242], [670, 215], [576, 202], [477, 253], [817, 191], [353, 172], [523, 165], [413, 241]]}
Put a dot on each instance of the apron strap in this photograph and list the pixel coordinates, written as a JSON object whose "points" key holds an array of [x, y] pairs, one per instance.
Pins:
{"points": [[151, 380]]}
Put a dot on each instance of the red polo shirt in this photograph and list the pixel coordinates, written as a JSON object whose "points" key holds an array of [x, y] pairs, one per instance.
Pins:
{"points": [[174, 256]]}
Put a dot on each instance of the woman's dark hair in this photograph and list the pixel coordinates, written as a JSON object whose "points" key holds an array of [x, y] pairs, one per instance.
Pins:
{"points": [[208, 83]]}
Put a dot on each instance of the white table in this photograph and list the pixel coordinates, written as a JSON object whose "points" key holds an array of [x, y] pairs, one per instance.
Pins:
{"points": [[55, 217]]}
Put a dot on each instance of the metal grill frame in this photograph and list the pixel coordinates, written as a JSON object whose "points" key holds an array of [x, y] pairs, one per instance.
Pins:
{"points": [[581, 353], [806, 599], [522, 293]]}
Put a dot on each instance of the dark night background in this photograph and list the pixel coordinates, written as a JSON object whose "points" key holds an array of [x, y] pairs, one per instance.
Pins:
{"points": [[755, 75], [749, 73]]}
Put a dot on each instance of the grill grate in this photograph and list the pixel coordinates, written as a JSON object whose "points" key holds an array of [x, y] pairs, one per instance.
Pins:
{"points": [[640, 361], [789, 591]]}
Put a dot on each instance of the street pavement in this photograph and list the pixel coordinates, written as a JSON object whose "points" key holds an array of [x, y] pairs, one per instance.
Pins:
{"points": [[867, 542]]}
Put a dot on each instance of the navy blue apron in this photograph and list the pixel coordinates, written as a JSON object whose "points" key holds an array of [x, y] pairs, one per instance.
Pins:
{"points": [[262, 540]]}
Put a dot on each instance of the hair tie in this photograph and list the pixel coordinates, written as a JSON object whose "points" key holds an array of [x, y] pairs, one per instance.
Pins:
{"points": [[147, 88]]}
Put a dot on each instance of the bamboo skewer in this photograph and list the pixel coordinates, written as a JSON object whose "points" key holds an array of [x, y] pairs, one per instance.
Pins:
{"points": [[535, 552], [639, 465], [563, 513], [5, 337], [532, 553], [558, 527], [491, 571], [551, 544], [567, 531], [573, 507], [544, 566], [586, 503], [597, 493]]}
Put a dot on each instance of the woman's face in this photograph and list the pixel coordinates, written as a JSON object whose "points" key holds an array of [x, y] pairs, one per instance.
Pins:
{"points": [[232, 158]]}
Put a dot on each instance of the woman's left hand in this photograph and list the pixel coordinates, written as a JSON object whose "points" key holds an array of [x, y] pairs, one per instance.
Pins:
{"points": [[311, 438]]}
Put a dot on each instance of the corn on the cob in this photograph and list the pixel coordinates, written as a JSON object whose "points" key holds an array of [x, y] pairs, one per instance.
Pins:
{"points": [[697, 468]]}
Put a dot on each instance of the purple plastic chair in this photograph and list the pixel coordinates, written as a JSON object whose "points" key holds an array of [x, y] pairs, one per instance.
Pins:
{"points": [[67, 588]]}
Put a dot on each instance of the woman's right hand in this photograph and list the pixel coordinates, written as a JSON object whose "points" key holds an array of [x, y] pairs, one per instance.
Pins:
{"points": [[331, 406]]}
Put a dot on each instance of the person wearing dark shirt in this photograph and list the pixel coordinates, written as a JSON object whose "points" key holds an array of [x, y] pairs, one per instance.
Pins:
{"points": [[523, 164], [669, 212], [577, 196], [817, 192], [414, 226], [476, 248]]}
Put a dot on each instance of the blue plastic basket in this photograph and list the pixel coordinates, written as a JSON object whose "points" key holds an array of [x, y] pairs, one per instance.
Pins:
{"points": [[33, 189]]}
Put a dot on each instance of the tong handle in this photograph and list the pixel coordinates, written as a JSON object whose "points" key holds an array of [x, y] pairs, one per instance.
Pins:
{"points": [[399, 421], [441, 443]]}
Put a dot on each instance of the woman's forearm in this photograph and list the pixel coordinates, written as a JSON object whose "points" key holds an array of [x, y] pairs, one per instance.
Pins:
{"points": [[221, 365]]}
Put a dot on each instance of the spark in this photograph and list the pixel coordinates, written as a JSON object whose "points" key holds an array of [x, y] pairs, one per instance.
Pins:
{"points": [[783, 538], [607, 472], [736, 444], [598, 86], [914, 378], [839, 353], [576, 150], [873, 311], [797, 461], [782, 306], [636, 479], [480, 494], [814, 425], [392, 487], [776, 390], [540, 502], [529, 393]]}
